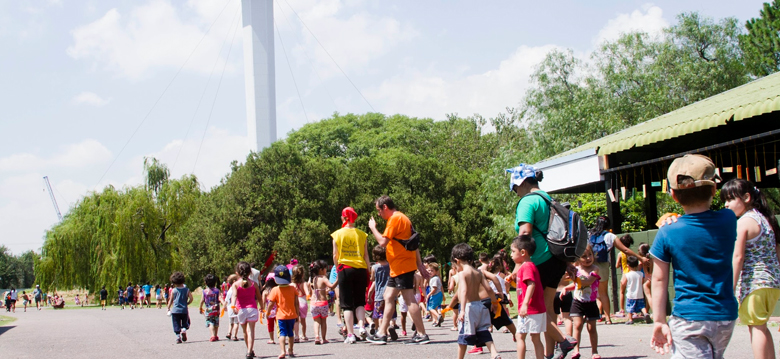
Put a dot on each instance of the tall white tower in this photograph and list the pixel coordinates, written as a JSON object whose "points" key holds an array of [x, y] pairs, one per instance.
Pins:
{"points": [[259, 75]]}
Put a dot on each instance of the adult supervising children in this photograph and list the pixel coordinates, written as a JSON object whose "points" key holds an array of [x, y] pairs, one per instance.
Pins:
{"points": [[531, 218], [403, 264], [350, 254]]}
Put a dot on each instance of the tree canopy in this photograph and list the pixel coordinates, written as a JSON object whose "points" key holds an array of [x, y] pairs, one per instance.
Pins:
{"points": [[447, 176]]}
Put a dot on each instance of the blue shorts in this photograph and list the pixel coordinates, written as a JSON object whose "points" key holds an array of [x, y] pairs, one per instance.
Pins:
{"points": [[635, 305], [435, 300], [286, 327]]}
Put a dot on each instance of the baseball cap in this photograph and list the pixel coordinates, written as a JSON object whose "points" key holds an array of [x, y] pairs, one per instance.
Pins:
{"points": [[696, 167], [281, 274], [519, 174]]}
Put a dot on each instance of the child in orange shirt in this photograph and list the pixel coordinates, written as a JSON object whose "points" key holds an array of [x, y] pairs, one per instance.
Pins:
{"points": [[286, 300]]}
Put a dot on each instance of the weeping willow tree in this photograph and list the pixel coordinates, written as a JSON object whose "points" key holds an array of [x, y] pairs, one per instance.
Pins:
{"points": [[116, 236]]}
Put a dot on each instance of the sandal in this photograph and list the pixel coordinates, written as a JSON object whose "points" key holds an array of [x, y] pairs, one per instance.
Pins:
{"points": [[270, 342], [281, 356], [595, 356], [304, 339], [317, 341], [576, 356], [235, 339], [325, 341], [296, 340]]}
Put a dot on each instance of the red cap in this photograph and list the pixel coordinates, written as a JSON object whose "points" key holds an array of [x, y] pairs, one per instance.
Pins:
{"points": [[350, 214]]}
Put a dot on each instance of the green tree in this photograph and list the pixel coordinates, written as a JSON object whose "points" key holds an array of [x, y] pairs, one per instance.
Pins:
{"points": [[627, 81], [116, 236], [761, 45]]}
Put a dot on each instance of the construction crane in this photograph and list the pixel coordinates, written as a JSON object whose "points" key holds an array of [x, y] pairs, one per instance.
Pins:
{"points": [[53, 200]]}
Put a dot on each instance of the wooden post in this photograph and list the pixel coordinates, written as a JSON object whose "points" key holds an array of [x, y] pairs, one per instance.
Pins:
{"points": [[651, 203], [613, 212]]}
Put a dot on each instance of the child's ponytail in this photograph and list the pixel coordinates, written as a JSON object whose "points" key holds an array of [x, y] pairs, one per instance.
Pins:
{"points": [[244, 270]]}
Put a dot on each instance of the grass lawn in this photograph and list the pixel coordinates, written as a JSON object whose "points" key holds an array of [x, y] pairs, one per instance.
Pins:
{"points": [[6, 320]]}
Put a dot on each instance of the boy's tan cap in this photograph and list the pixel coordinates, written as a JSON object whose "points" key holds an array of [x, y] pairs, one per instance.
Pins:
{"points": [[698, 167]]}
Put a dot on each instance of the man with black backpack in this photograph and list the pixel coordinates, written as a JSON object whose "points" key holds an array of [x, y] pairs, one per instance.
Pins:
{"points": [[403, 256], [533, 217]]}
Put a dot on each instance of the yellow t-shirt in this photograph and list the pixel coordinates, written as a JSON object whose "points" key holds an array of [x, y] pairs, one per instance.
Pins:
{"points": [[401, 261], [351, 243]]}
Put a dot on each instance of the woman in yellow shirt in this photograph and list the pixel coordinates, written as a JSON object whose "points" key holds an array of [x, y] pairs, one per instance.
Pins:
{"points": [[350, 255]]}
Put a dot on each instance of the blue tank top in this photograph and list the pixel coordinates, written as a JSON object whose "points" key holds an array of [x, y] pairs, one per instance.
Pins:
{"points": [[180, 296]]}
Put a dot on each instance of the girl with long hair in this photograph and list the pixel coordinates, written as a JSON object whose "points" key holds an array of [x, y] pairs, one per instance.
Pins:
{"points": [[755, 263]]}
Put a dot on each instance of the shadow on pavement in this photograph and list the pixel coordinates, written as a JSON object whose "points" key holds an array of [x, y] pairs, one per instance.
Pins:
{"points": [[5, 329]]}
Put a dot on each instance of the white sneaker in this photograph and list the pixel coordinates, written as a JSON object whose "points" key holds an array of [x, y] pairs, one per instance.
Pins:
{"points": [[350, 339], [363, 333]]}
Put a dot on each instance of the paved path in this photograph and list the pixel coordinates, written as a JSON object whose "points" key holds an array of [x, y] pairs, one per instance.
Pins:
{"points": [[146, 333]]}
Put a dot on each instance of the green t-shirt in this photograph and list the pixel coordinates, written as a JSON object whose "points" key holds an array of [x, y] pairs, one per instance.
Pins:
{"points": [[534, 210]]}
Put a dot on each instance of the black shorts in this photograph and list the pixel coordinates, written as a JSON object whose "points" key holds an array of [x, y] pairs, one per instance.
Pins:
{"points": [[587, 310], [551, 272], [503, 320], [562, 305], [352, 288], [403, 281]]}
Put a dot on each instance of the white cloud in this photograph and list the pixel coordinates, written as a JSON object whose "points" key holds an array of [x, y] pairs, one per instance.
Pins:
{"points": [[90, 98], [420, 94], [80, 155], [219, 148], [433, 93], [26, 210], [353, 40], [156, 35], [648, 19]]}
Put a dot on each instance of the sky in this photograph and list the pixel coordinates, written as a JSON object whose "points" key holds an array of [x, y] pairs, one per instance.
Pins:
{"points": [[89, 88]]}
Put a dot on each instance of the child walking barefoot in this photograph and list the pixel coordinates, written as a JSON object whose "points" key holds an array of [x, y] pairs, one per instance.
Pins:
{"points": [[320, 310], [211, 300], [584, 308], [245, 297], [287, 311], [474, 317]]}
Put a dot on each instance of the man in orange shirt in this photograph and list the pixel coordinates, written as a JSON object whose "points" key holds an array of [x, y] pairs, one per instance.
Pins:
{"points": [[403, 264]]}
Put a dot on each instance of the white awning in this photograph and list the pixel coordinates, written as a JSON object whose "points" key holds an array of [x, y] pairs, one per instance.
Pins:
{"points": [[574, 170]]}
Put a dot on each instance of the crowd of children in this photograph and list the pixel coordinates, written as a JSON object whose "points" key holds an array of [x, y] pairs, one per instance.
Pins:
{"points": [[724, 264]]}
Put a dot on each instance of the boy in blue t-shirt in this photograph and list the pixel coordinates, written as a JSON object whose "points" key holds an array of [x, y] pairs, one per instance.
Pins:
{"points": [[700, 248]]}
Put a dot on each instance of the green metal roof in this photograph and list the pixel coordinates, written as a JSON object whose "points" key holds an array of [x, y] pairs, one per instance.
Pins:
{"points": [[752, 99]]}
